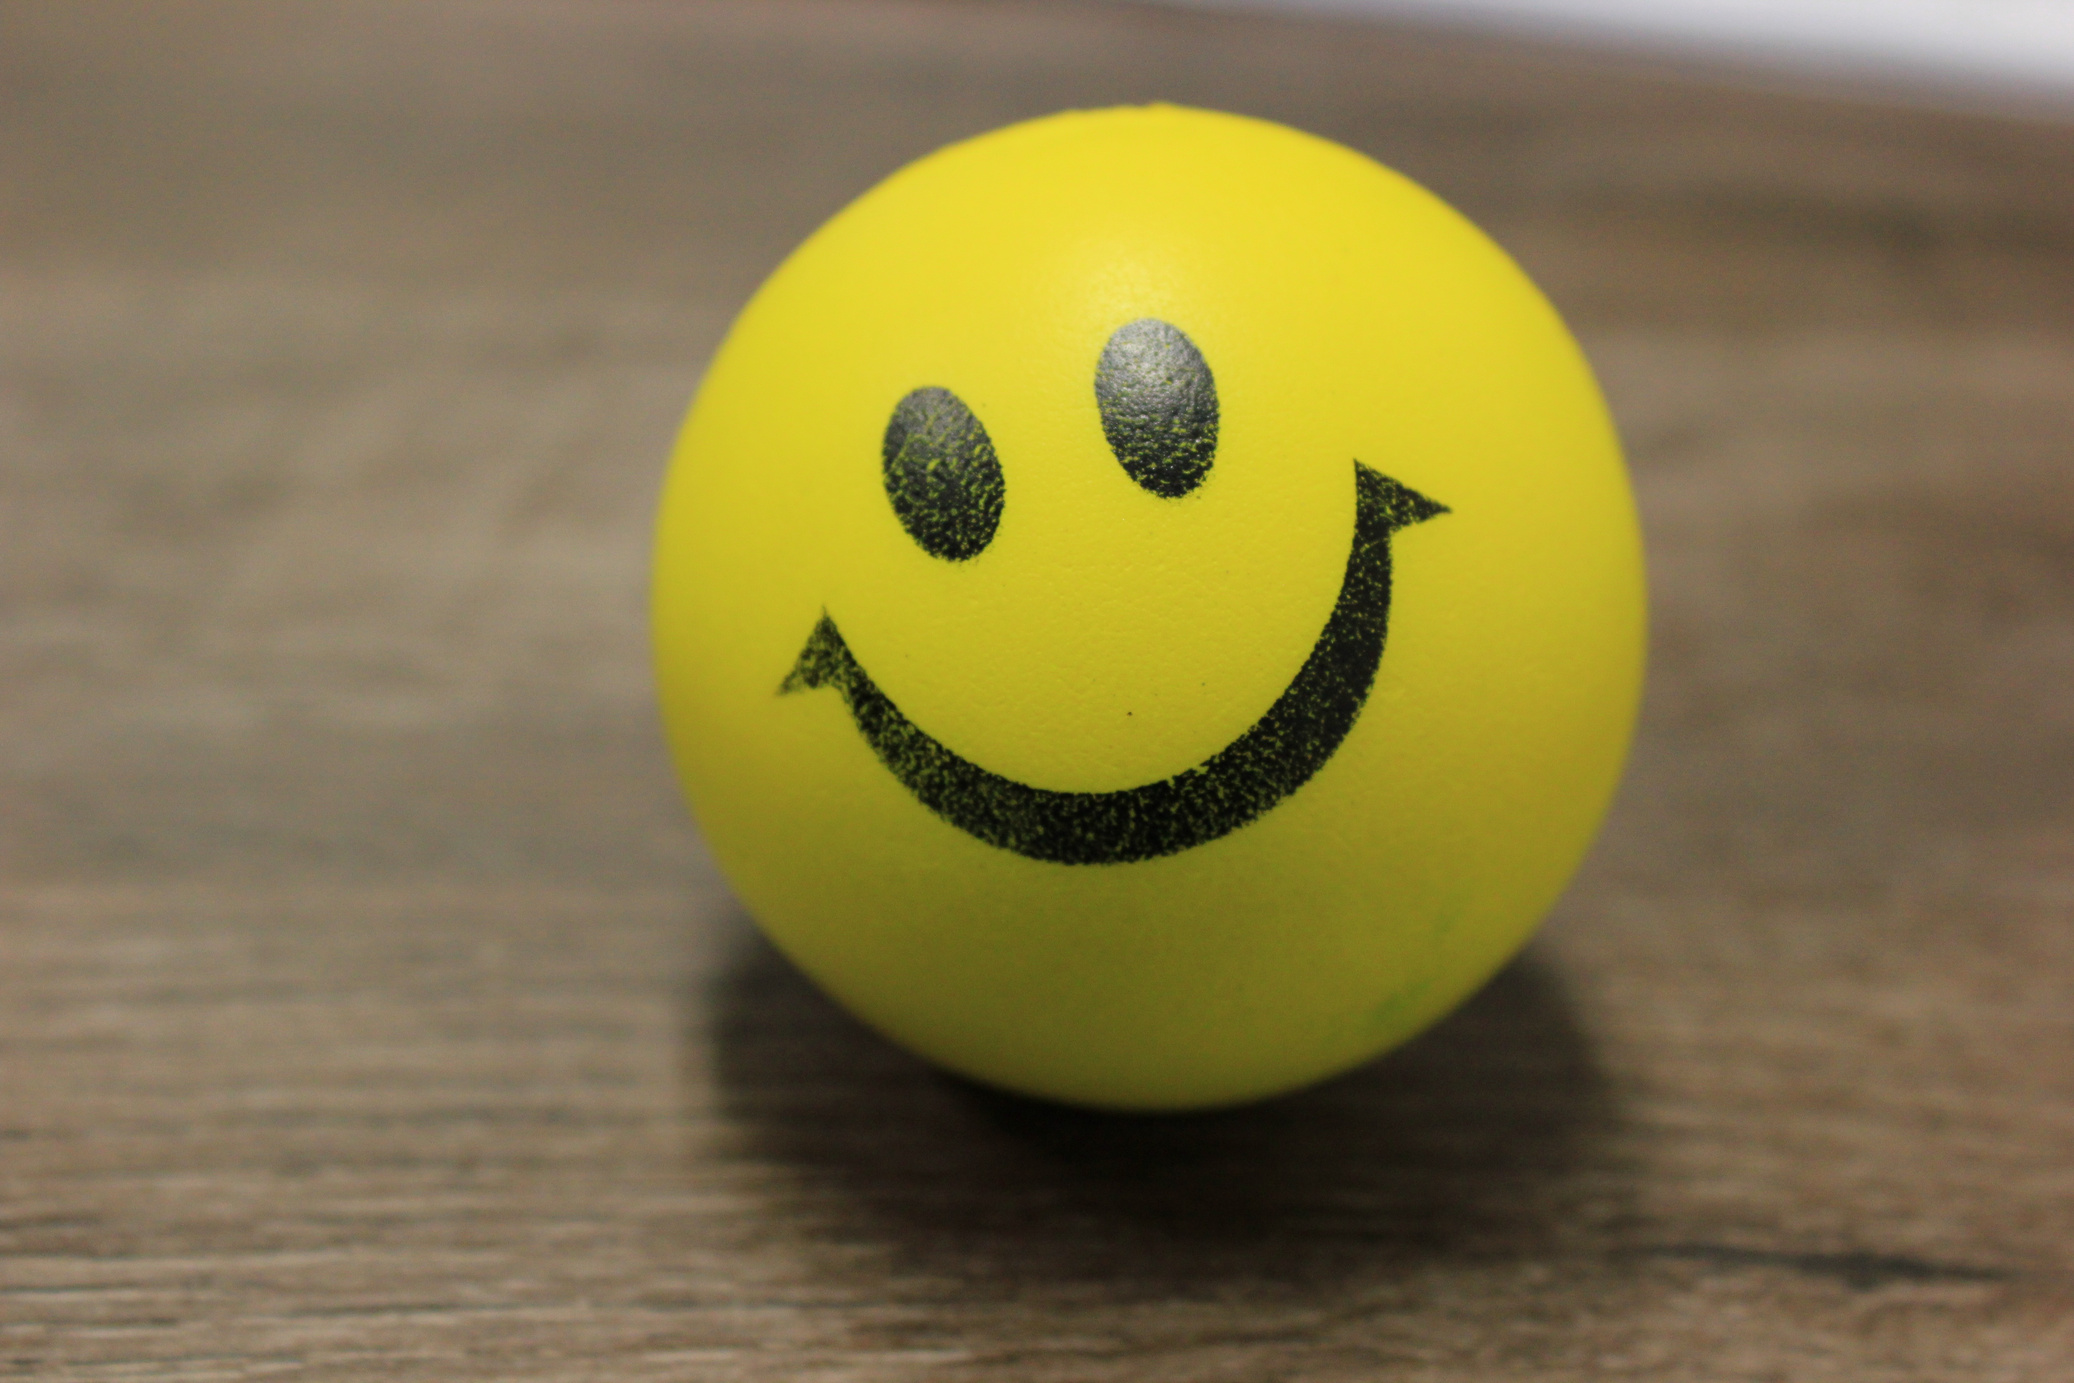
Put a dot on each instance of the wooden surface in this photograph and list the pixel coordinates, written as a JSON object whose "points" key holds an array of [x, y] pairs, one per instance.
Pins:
{"points": [[369, 1010]]}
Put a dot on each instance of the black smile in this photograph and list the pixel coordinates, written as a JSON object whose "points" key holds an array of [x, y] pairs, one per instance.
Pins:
{"points": [[1242, 781]]}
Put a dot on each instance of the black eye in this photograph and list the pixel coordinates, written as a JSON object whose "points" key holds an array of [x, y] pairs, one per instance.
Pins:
{"points": [[1159, 406], [942, 475]]}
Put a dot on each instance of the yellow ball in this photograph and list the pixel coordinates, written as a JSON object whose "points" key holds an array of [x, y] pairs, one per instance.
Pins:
{"points": [[1148, 608]]}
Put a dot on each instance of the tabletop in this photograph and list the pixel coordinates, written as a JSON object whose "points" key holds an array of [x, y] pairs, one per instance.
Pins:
{"points": [[370, 1009]]}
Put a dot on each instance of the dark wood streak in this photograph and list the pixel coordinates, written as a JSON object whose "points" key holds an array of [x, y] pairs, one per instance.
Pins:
{"points": [[1864, 1271], [369, 1010]]}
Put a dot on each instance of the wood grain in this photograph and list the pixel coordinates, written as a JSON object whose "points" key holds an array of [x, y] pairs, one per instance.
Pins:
{"points": [[368, 1008]]}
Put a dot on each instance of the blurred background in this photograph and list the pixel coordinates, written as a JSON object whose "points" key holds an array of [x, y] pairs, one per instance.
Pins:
{"points": [[1981, 52], [369, 1008]]}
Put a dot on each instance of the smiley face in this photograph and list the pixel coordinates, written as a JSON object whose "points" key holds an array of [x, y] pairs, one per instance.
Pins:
{"points": [[1158, 403], [1148, 608]]}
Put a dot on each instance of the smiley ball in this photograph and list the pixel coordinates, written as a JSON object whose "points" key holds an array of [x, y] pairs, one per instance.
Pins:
{"points": [[1148, 607]]}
